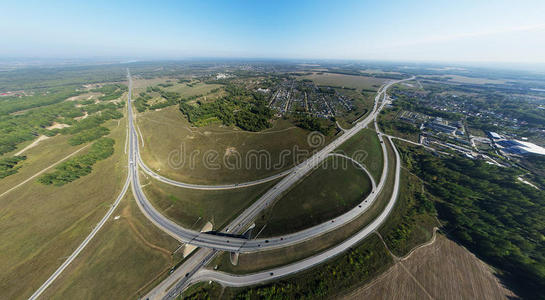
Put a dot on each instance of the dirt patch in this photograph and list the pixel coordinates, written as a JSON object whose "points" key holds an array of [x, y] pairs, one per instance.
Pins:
{"points": [[86, 96], [57, 126], [230, 151], [82, 117], [441, 270], [128, 217]]}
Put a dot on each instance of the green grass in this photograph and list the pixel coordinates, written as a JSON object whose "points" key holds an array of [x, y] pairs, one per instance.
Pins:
{"points": [[124, 260], [193, 208], [41, 225], [350, 81], [365, 148], [167, 132], [334, 188], [357, 266], [198, 89], [253, 262]]}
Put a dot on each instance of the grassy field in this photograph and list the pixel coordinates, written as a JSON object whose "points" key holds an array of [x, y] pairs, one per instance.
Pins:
{"points": [[365, 148], [140, 85], [465, 79], [325, 193], [41, 225], [350, 81], [39, 157], [167, 132], [198, 88], [193, 208], [442, 270], [123, 261], [252, 262]]}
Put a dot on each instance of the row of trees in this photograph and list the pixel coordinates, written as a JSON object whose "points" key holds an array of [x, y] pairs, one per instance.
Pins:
{"points": [[88, 135], [312, 123], [36, 99], [79, 166]]}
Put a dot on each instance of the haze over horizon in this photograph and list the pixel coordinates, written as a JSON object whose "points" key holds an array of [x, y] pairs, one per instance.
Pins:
{"points": [[461, 31]]}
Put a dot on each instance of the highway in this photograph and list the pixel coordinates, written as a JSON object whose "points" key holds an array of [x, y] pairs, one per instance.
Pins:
{"points": [[215, 242], [226, 279], [180, 279], [91, 235], [239, 224], [83, 244]]}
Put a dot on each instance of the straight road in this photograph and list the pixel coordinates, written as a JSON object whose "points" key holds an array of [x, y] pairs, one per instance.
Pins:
{"points": [[91, 235], [43, 170]]}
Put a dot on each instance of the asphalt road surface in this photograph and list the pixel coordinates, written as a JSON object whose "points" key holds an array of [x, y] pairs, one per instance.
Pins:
{"points": [[234, 244], [176, 283], [276, 273]]}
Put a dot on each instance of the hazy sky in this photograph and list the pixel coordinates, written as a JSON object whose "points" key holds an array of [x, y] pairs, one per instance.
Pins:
{"points": [[434, 30]]}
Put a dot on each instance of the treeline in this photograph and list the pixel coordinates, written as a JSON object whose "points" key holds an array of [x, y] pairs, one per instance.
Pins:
{"points": [[21, 127], [15, 129], [413, 218], [79, 166], [171, 98], [489, 212], [39, 98], [396, 125], [245, 109], [312, 123], [8, 165], [90, 122], [88, 135], [111, 91]]}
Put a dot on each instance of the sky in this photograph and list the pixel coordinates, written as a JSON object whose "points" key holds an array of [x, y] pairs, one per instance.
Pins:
{"points": [[436, 30]]}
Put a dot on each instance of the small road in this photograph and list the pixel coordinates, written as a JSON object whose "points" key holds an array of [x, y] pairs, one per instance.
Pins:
{"points": [[42, 171], [83, 244], [91, 235], [156, 176]]}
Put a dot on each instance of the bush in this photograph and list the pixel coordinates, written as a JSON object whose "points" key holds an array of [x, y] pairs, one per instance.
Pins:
{"points": [[79, 166]]}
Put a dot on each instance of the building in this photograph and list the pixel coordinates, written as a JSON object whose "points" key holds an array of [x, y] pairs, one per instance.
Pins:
{"points": [[494, 135], [440, 125], [520, 147]]}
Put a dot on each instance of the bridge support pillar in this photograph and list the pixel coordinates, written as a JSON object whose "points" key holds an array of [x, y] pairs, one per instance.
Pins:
{"points": [[233, 257]]}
